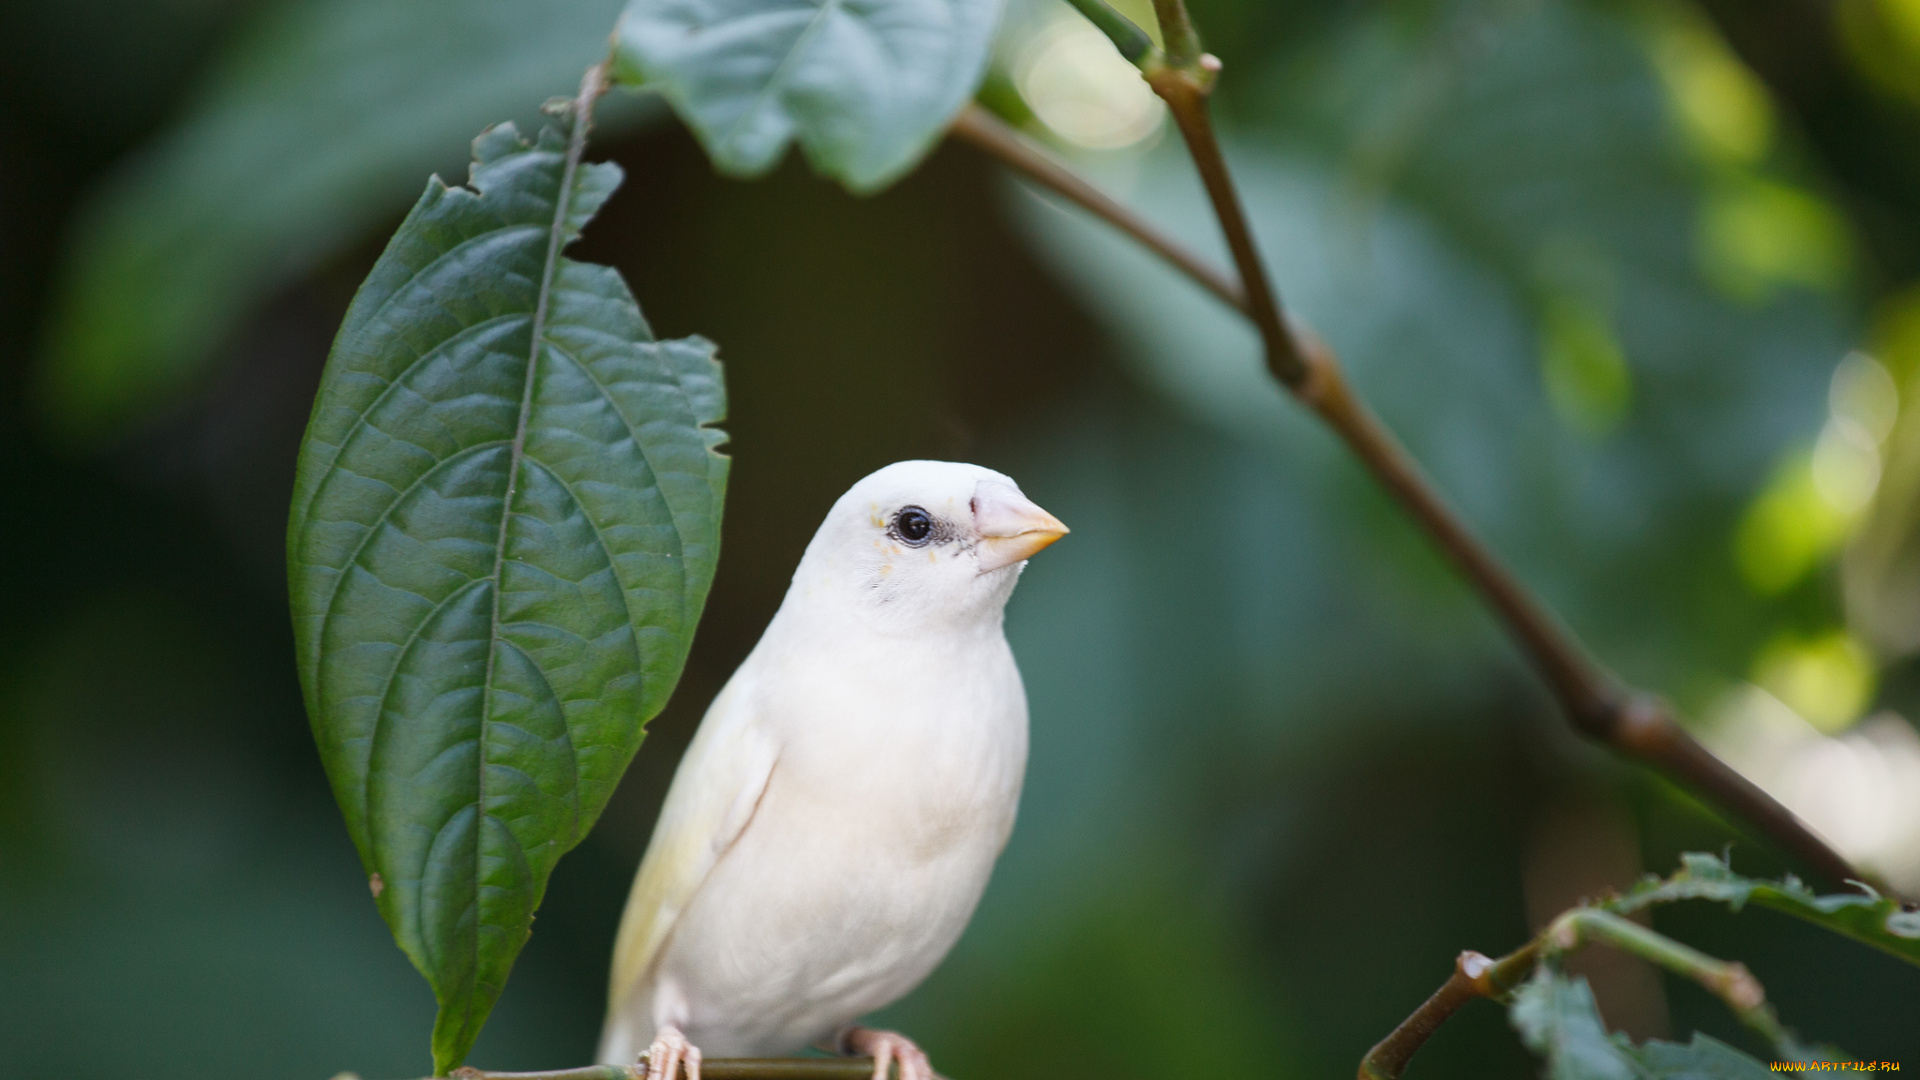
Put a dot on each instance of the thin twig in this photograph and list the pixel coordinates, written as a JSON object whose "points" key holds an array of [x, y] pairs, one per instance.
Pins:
{"points": [[1474, 976], [584, 1073], [838, 1068], [1636, 724], [1388, 1059], [1186, 97], [988, 132]]}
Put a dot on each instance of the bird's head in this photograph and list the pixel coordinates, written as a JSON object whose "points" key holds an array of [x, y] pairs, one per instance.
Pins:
{"points": [[927, 541]]}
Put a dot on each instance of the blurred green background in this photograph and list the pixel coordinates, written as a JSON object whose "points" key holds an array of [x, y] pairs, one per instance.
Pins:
{"points": [[1635, 280]]}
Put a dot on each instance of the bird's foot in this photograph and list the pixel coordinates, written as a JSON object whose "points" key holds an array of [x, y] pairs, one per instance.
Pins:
{"points": [[669, 1051], [887, 1047]]}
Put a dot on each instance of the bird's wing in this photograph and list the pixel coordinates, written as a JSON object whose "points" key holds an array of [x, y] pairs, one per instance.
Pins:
{"points": [[714, 794]]}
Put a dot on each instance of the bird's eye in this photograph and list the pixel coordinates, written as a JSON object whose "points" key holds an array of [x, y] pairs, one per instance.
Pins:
{"points": [[913, 525]]}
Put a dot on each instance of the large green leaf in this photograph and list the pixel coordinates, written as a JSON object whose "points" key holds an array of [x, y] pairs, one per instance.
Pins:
{"points": [[313, 127], [505, 522], [1557, 1019], [865, 86], [1865, 916]]}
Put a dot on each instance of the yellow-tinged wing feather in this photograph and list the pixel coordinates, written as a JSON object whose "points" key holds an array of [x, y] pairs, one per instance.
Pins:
{"points": [[713, 796]]}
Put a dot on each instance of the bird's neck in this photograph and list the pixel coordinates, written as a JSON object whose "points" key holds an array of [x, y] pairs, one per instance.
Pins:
{"points": [[828, 615]]}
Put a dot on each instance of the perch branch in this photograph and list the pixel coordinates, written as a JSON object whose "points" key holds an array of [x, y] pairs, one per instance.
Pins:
{"points": [[847, 1068], [1634, 723]]}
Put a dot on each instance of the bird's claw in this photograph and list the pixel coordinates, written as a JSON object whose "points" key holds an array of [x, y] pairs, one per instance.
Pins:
{"points": [[886, 1048], [669, 1051]]}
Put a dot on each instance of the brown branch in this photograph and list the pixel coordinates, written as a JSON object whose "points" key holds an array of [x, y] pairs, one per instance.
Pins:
{"points": [[838, 1068], [988, 132], [1636, 724], [1389, 1057], [1474, 976], [1186, 96]]}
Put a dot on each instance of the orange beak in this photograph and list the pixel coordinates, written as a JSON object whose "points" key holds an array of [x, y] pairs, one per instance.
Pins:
{"points": [[1011, 527]]}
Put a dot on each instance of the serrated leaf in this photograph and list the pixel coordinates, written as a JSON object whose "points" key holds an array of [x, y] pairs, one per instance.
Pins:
{"points": [[1865, 916], [313, 126], [505, 521], [866, 88], [1557, 1019], [1704, 1058]]}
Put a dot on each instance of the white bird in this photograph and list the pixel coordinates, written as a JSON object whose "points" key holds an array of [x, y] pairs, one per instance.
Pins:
{"points": [[835, 819]]}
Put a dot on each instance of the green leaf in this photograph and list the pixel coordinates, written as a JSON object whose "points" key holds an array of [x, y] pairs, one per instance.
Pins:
{"points": [[505, 521], [1865, 916], [1705, 1058], [1557, 1019], [865, 87], [313, 128]]}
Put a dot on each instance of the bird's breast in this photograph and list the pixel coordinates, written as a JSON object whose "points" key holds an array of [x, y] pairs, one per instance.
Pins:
{"points": [[896, 774], [916, 762]]}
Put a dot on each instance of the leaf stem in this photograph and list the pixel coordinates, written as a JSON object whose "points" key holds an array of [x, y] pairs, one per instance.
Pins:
{"points": [[1133, 42], [1730, 981], [1634, 723], [1182, 40]]}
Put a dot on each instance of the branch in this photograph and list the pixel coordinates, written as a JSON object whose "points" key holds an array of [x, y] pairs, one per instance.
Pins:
{"points": [[839, 1068], [990, 134], [1474, 976], [1634, 723], [1186, 97]]}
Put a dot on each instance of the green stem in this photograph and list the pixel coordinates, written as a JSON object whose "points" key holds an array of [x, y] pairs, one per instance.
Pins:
{"points": [[1730, 981], [1176, 30], [1133, 42]]}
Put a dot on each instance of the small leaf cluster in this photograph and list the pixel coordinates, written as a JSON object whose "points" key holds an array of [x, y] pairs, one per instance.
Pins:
{"points": [[1556, 1016]]}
